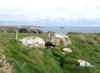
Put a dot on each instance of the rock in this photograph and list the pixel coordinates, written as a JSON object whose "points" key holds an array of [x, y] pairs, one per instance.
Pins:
{"points": [[33, 42], [1, 49], [25, 30], [39, 31], [84, 63], [54, 41], [4, 66], [67, 50], [7, 29], [50, 44], [63, 53], [59, 39]]}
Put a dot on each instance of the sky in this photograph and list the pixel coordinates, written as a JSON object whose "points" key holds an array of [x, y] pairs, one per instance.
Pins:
{"points": [[51, 12]]}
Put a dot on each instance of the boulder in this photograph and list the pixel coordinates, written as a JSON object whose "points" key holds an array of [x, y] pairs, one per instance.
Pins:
{"points": [[4, 66], [67, 50], [33, 42], [84, 63], [59, 39]]}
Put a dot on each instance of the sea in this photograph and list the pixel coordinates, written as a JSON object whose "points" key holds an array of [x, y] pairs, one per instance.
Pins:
{"points": [[66, 29]]}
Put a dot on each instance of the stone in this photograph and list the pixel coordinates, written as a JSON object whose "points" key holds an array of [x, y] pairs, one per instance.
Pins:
{"points": [[59, 39], [33, 42], [84, 63], [63, 53], [4, 66], [1, 49], [67, 50], [50, 44]]}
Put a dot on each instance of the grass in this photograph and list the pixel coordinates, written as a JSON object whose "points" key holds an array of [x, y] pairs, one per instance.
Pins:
{"points": [[85, 47], [6, 36]]}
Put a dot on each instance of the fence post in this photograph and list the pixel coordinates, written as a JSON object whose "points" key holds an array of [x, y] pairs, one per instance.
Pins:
{"points": [[16, 34], [81, 33], [48, 34]]}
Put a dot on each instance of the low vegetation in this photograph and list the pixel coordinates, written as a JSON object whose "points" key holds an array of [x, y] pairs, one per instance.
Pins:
{"points": [[85, 47]]}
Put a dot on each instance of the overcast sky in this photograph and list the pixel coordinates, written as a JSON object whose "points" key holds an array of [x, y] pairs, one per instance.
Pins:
{"points": [[49, 10]]}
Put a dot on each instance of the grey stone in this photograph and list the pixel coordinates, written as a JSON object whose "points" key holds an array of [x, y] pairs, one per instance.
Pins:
{"points": [[33, 42], [84, 63], [59, 39], [4, 66]]}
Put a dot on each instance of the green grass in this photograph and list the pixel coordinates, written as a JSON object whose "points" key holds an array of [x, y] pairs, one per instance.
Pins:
{"points": [[85, 47], [6, 36]]}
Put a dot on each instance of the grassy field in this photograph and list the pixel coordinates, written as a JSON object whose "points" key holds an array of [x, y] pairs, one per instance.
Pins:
{"points": [[85, 47], [6, 36]]}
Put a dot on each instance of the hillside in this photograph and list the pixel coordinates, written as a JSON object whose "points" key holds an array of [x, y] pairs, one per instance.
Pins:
{"points": [[85, 47], [20, 29]]}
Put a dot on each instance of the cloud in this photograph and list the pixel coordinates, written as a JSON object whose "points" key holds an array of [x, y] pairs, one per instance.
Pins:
{"points": [[49, 10]]}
